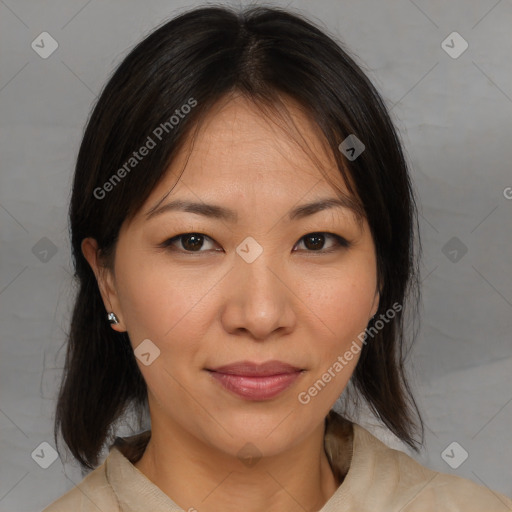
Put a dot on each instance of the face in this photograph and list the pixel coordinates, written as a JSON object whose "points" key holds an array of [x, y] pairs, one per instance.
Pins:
{"points": [[258, 285]]}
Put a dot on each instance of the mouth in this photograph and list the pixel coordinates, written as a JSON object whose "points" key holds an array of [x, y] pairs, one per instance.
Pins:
{"points": [[256, 382]]}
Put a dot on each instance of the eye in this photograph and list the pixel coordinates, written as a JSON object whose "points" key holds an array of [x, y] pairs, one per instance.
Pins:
{"points": [[190, 242], [314, 242]]}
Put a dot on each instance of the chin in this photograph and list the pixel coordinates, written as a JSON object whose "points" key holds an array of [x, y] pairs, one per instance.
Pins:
{"points": [[266, 434]]}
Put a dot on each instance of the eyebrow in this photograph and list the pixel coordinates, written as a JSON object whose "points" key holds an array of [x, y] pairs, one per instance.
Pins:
{"points": [[226, 214]]}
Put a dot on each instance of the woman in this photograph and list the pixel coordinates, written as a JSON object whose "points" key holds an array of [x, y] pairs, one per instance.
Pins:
{"points": [[243, 226]]}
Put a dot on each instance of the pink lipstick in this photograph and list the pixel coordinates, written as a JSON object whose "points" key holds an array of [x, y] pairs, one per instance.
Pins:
{"points": [[252, 381]]}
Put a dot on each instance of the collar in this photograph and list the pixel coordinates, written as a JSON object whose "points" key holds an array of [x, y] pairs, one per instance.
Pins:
{"points": [[135, 492]]}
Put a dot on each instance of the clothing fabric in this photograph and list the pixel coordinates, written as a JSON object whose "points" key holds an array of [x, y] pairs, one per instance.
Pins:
{"points": [[375, 478]]}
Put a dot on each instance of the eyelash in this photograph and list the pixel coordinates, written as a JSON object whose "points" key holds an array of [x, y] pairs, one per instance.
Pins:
{"points": [[341, 243]]}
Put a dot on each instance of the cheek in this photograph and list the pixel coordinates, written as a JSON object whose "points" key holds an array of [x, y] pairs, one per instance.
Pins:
{"points": [[342, 306], [343, 300], [342, 303], [164, 306], [158, 301]]}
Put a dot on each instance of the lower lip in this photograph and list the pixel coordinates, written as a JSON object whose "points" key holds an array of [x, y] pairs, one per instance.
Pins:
{"points": [[256, 388]]}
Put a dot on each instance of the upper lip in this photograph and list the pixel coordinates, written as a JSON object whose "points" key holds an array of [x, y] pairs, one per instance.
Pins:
{"points": [[251, 369]]}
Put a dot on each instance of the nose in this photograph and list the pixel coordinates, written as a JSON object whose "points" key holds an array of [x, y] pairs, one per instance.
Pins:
{"points": [[258, 300]]}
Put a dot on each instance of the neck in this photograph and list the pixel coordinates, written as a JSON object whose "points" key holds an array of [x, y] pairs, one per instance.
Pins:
{"points": [[199, 477]]}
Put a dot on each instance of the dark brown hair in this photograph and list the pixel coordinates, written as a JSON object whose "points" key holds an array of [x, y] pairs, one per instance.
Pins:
{"points": [[208, 53]]}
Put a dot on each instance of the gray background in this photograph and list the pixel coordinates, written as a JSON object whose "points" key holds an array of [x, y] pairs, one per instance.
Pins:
{"points": [[455, 118]]}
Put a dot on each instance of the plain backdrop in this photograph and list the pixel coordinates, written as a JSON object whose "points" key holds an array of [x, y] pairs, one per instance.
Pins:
{"points": [[454, 113]]}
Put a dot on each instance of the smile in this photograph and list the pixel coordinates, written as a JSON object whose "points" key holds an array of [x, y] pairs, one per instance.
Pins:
{"points": [[252, 381]]}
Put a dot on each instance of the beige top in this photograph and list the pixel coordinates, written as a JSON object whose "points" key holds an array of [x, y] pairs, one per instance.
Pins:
{"points": [[379, 479]]}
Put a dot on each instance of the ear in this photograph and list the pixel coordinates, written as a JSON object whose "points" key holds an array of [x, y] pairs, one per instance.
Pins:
{"points": [[105, 280], [375, 304]]}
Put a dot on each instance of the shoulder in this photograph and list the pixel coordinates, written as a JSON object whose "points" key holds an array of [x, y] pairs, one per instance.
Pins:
{"points": [[93, 493], [398, 480]]}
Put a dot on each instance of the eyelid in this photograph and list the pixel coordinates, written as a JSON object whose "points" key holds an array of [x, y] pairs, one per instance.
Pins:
{"points": [[168, 243], [341, 242]]}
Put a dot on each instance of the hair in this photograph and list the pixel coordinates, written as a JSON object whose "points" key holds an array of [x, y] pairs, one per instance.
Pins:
{"points": [[206, 54]]}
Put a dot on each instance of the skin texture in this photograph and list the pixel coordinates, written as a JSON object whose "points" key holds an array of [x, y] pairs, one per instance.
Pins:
{"points": [[210, 307]]}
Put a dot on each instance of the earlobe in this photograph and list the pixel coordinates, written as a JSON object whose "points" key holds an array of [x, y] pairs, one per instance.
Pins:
{"points": [[376, 303], [104, 280]]}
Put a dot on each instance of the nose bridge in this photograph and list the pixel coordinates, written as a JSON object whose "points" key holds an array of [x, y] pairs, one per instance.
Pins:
{"points": [[257, 280], [259, 300]]}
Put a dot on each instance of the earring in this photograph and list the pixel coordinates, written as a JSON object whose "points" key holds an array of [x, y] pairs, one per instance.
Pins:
{"points": [[112, 318]]}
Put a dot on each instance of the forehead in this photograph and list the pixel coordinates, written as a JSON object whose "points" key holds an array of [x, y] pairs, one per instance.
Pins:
{"points": [[239, 142], [249, 159]]}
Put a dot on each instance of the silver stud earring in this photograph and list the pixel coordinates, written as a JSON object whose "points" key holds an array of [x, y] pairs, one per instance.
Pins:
{"points": [[112, 318]]}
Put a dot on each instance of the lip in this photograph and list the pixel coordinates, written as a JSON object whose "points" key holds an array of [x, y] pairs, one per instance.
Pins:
{"points": [[253, 381], [250, 369]]}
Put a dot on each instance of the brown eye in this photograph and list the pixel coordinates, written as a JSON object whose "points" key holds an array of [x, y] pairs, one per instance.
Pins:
{"points": [[195, 242], [314, 242], [190, 242]]}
